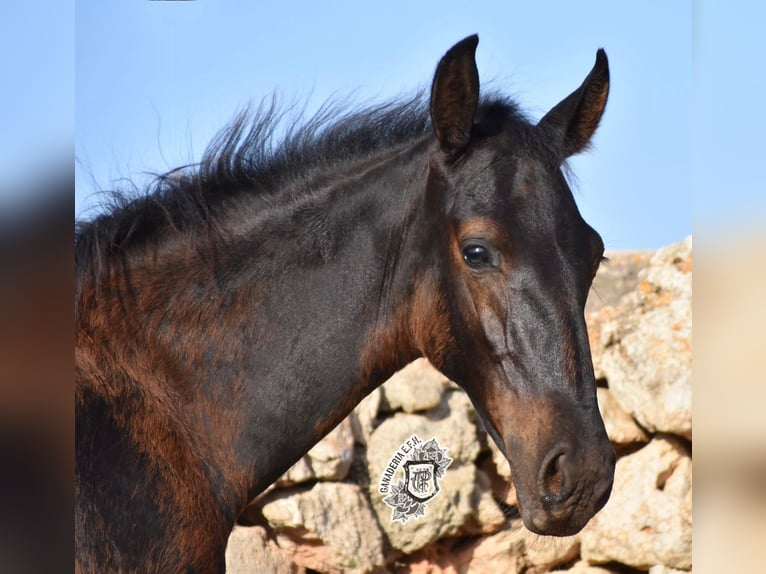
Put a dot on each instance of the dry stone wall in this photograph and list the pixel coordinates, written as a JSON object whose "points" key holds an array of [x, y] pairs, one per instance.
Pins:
{"points": [[327, 514]]}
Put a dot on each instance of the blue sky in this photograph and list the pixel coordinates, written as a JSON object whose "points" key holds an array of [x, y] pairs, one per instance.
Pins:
{"points": [[155, 80], [37, 78]]}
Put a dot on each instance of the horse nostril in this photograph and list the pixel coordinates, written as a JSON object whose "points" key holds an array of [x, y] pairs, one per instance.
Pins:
{"points": [[553, 477]]}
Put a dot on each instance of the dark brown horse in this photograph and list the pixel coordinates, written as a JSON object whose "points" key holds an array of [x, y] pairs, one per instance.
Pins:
{"points": [[232, 316]]}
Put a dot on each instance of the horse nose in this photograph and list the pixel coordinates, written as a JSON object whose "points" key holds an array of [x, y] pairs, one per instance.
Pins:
{"points": [[571, 489]]}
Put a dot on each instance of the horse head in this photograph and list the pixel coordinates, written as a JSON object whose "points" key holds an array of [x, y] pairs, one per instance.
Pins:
{"points": [[515, 263]]}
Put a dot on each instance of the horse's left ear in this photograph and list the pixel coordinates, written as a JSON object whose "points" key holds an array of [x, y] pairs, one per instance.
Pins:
{"points": [[455, 95], [574, 120]]}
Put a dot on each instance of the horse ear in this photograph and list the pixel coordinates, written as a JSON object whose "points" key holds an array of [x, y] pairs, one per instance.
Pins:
{"points": [[455, 95], [576, 117]]}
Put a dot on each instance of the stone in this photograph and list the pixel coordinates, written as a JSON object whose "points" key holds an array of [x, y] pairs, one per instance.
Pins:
{"points": [[498, 553], [446, 513], [329, 459], [417, 387], [620, 426], [452, 424], [502, 466], [250, 550], [595, 322], [660, 569], [329, 528], [648, 519], [615, 278], [363, 416], [545, 552], [494, 554], [296, 474], [497, 469], [582, 567], [646, 347], [487, 517], [541, 553]]}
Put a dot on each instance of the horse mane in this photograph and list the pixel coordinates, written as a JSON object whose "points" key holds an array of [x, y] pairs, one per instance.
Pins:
{"points": [[247, 158]]}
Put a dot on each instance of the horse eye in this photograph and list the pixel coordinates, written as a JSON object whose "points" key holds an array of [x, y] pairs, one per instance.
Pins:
{"points": [[477, 255]]}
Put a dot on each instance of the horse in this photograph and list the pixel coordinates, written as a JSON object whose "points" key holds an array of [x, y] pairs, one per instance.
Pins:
{"points": [[234, 313]]}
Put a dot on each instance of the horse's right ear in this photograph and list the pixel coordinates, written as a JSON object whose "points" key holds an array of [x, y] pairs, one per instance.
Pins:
{"points": [[455, 95], [574, 120]]}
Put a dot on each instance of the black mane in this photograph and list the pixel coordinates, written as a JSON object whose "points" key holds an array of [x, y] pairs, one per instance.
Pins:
{"points": [[248, 158]]}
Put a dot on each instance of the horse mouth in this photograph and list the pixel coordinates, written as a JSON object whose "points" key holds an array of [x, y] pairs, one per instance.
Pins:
{"points": [[542, 522], [565, 517]]}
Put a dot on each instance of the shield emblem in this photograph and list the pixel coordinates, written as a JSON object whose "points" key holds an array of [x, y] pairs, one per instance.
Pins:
{"points": [[420, 479]]}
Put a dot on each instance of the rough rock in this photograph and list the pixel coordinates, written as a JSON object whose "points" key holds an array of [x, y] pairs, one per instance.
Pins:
{"points": [[329, 528], [583, 567], [620, 426], [417, 387], [595, 322], [363, 416], [660, 569], [648, 519], [545, 552], [297, 473], [250, 550], [452, 423], [329, 459], [647, 347], [486, 517], [494, 554], [502, 465], [446, 513], [615, 278], [453, 427]]}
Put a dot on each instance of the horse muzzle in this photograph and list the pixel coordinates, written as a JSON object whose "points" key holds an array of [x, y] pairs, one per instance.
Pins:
{"points": [[570, 487]]}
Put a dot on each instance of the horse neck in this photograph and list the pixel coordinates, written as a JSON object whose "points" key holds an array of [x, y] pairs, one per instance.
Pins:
{"points": [[330, 324], [262, 343]]}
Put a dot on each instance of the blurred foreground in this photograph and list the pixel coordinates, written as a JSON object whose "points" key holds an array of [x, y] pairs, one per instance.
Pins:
{"points": [[36, 401], [730, 402]]}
